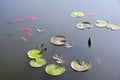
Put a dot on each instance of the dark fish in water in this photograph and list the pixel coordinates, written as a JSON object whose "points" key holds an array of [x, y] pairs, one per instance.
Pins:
{"points": [[89, 42], [9, 35], [10, 22]]}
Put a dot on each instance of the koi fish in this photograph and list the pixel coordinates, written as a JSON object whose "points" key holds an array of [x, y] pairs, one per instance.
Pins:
{"points": [[32, 18], [28, 33], [23, 38], [20, 19], [90, 14], [26, 29]]}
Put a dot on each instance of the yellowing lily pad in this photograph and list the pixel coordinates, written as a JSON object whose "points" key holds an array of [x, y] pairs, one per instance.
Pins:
{"points": [[34, 53], [54, 70], [113, 26], [38, 62], [77, 14], [77, 66]]}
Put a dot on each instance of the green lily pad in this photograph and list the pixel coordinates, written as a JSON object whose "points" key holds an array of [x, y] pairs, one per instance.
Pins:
{"points": [[77, 66], [34, 53], [113, 27], [54, 70], [38, 62]]}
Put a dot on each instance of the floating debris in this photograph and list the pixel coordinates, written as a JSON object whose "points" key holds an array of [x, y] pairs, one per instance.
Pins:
{"points": [[68, 45], [58, 58], [55, 70], [28, 33], [58, 40], [40, 30], [32, 18], [20, 19], [23, 38], [113, 27], [26, 29], [84, 25], [101, 23], [78, 66], [77, 14], [38, 62], [89, 42]]}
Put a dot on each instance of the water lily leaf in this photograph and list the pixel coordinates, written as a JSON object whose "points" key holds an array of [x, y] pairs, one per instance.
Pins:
{"points": [[74, 14], [77, 14], [101, 23], [89, 42], [113, 26], [80, 26], [55, 70], [80, 14], [58, 40], [38, 62], [34, 53], [78, 66], [84, 25]]}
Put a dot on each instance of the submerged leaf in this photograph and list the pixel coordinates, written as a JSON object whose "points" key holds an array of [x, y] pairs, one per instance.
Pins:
{"points": [[89, 42], [38, 62], [54, 70]]}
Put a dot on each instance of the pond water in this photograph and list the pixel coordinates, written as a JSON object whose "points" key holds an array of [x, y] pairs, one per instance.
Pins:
{"points": [[54, 17]]}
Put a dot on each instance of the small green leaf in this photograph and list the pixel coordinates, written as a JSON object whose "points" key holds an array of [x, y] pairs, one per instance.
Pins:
{"points": [[54, 70], [34, 53], [38, 62]]}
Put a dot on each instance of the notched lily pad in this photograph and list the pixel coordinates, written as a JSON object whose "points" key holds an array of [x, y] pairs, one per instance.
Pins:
{"points": [[58, 40], [34, 53], [78, 66], [101, 23], [113, 26], [84, 25], [38, 62], [77, 14], [55, 70]]}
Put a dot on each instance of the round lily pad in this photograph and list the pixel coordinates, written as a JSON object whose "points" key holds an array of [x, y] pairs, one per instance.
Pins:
{"points": [[74, 14], [55, 70], [113, 26], [80, 14], [101, 23], [77, 66], [84, 25], [38, 62], [58, 40], [34, 53]]}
